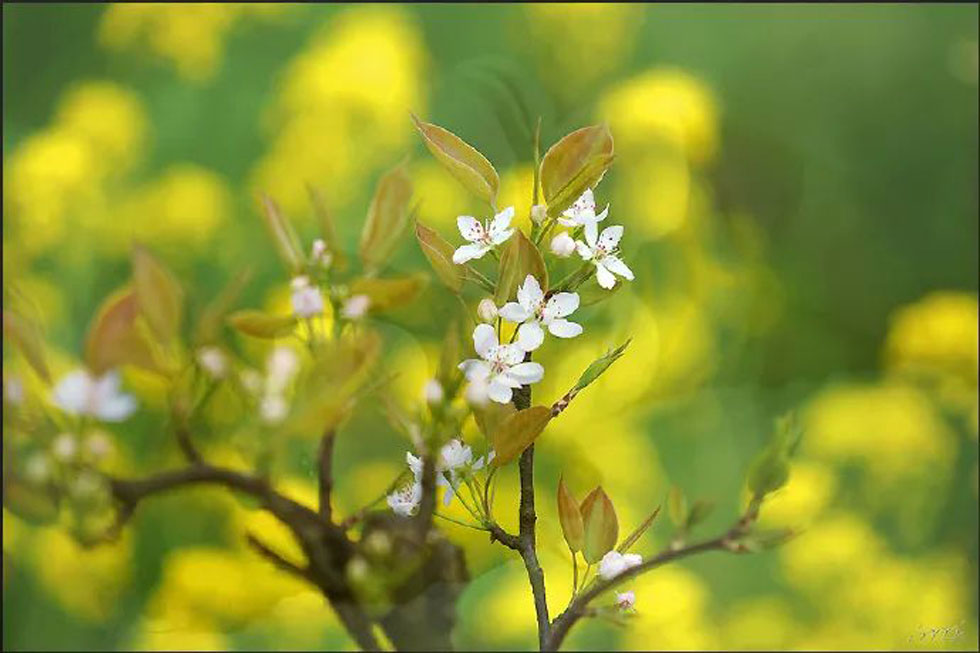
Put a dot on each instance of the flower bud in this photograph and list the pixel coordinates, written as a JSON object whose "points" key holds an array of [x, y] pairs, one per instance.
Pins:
{"points": [[212, 360], [273, 409], [539, 212], [355, 307], [306, 299], [562, 245], [477, 393], [625, 601], [487, 311], [319, 253], [432, 391]]}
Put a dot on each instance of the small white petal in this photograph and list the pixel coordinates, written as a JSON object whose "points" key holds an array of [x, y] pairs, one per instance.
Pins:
{"points": [[499, 392], [470, 228], [116, 408], [484, 339], [414, 464], [475, 370], [71, 394], [560, 305], [500, 224], [355, 307], [447, 498], [530, 336], [466, 253], [591, 235], [614, 264], [564, 329], [583, 250], [611, 565], [526, 373], [499, 237], [514, 312], [604, 276], [529, 294], [610, 237], [510, 354]]}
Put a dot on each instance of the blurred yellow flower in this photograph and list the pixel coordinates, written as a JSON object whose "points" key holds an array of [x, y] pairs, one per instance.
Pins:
{"points": [[442, 198], [109, 118], [670, 605], [810, 489], [829, 552], [765, 623]]}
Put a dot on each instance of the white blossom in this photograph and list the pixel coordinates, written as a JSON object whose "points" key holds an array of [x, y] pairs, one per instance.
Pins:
{"points": [[64, 447], [582, 214], [355, 307], [501, 367], [281, 366], [405, 501], [432, 391], [602, 252], [13, 390], [486, 310], [273, 409], [455, 454], [477, 392], [532, 312], [539, 212], [319, 253], [563, 245], [306, 299], [480, 462], [251, 380], [482, 238], [213, 361], [626, 600], [80, 393], [614, 563]]}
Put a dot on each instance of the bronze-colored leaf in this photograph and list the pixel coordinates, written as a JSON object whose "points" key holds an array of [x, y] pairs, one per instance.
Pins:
{"points": [[440, 255], [117, 336], [570, 517], [575, 163], [283, 236], [26, 337], [160, 297], [327, 228], [212, 317], [462, 160], [387, 294], [387, 216], [518, 431], [261, 325], [490, 416], [518, 259], [601, 526]]}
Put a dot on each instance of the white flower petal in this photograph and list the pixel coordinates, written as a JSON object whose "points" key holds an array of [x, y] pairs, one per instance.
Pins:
{"points": [[602, 216], [71, 394], [475, 370], [583, 250], [116, 408], [501, 236], [514, 312], [561, 304], [510, 354], [614, 264], [529, 294], [564, 328], [499, 392], [591, 234], [484, 339], [530, 335], [469, 252], [500, 223], [470, 228], [526, 373], [604, 276]]}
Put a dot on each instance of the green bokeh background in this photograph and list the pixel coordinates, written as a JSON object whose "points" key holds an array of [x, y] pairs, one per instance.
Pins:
{"points": [[846, 134]]}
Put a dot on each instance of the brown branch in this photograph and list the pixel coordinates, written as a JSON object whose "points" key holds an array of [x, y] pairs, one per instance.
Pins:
{"points": [[277, 560], [326, 473]]}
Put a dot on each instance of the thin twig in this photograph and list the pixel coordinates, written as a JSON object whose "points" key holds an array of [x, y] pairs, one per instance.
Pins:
{"points": [[326, 473]]}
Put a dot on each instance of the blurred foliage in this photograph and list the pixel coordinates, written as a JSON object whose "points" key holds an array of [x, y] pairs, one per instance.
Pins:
{"points": [[799, 185]]}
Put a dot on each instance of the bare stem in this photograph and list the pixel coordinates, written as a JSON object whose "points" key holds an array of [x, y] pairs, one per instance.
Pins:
{"points": [[326, 473]]}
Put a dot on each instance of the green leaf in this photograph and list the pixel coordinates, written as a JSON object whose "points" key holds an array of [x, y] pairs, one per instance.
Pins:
{"points": [[762, 540], [768, 472], [518, 431], [212, 317], [600, 365], [601, 526], [116, 337], [25, 335], [387, 216], [677, 506], [160, 297], [283, 236], [449, 374], [34, 505], [462, 160], [570, 517], [574, 164], [261, 325], [518, 259], [638, 533], [699, 512], [440, 255], [388, 294]]}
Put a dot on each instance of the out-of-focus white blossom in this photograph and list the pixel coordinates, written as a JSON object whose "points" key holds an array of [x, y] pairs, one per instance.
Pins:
{"points": [[532, 312], [539, 213], [601, 252], [502, 367], [98, 445], [355, 307], [432, 391], [486, 310], [281, 366], [251, 380], [213, 361], [405, 501], [477, 392], [614, 563], [563, 245], [273, 409], [80, 393], [37, 469], [13, 390], [582, 214], [306, 299], [319, 253], [625, 601], [482, 238], [64, 447]]}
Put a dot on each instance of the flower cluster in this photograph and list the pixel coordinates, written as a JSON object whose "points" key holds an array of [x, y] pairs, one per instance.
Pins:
{"points": [[81, 393], [482, 238], [454, 463]]}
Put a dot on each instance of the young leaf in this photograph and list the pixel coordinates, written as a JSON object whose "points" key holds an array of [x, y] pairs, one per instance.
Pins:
{"points": [[601, 526], [440, 255], [518, 431], [570, 517], [575, 163], [261, 325], [387, 216], [462, 160], [519, 258], [26, 337], [490, 416], [160, 297], [115, 337], [761, 540], [600, 365], [387, 294], [327, 229], [638, 533], [212, 318], [283, 236], [768, 472], [677, 506], [699, 512]]}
